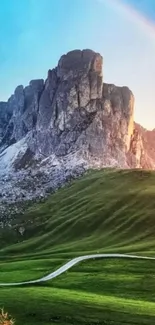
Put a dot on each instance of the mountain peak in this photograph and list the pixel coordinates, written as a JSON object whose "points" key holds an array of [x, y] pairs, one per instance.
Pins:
{"points": [[80, 62], [73, 121]]}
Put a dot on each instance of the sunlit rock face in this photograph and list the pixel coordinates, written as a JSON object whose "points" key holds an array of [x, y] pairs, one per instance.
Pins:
{"points": [[142, 148], [68, 123]]}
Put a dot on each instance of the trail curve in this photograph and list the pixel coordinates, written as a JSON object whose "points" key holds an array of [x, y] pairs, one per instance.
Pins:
{"points": [[74, 261]]}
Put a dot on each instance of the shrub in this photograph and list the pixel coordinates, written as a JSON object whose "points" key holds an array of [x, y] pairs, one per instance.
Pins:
{"points": [[5, 318]]}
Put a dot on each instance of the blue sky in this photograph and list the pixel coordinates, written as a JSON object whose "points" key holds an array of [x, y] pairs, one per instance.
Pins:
{"points": [[35, 33]]}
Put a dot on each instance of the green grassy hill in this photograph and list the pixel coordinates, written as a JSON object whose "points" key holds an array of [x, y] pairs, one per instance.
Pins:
{"points": [[104, 211]]}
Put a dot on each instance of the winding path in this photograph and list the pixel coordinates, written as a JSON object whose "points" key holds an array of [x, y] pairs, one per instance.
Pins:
{"points": [[74, 261]]}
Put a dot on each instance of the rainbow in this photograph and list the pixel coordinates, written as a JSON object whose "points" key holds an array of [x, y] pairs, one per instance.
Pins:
{"points": [[133, 15]]}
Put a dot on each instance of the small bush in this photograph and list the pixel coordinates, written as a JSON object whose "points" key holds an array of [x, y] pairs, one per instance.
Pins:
{"points": [[5, 318]]}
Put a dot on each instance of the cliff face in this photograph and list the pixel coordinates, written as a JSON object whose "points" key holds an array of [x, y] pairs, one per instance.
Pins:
{"points": [[77, 112], [143, 147], [5, 115], [73, 110], [72, 116]]}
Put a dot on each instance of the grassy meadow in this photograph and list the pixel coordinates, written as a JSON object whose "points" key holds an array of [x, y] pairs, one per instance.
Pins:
{"points": [[107, 211]]}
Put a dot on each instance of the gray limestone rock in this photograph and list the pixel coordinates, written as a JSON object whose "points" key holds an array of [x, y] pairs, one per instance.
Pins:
{"points": [[5, 115], [73, 118]]}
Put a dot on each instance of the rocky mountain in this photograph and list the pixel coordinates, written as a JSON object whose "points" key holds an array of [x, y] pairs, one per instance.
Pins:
{"points": [[54, 130]]}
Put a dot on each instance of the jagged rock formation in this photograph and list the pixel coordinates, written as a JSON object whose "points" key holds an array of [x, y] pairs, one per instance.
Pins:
{"points": [[145, 143], [71, 117], [73, 110]]}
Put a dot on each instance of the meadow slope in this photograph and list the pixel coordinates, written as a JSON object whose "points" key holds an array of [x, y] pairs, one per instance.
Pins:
{"points": [[107, 211]]}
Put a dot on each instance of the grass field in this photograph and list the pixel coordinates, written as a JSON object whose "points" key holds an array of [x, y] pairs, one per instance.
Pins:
{"points": [[105, 211]]}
